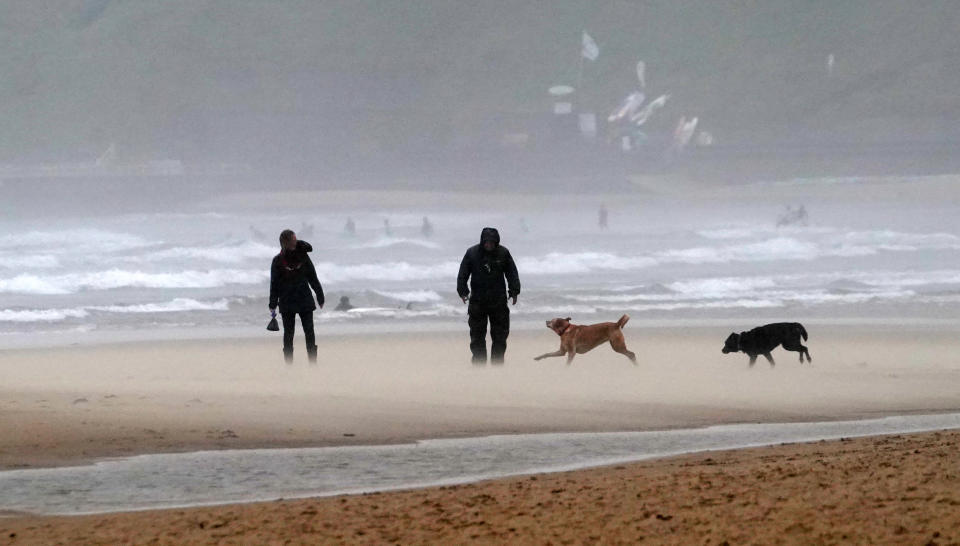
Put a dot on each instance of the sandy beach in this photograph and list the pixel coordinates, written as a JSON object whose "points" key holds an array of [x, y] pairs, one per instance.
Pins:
{"points": [[75, 404]]}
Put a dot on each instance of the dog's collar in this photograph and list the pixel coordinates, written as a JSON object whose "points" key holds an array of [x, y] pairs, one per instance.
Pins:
{"points": [[564, 330]]}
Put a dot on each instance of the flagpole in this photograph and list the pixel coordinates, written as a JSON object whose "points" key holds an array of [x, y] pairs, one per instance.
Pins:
{"points": [[580, 81]]}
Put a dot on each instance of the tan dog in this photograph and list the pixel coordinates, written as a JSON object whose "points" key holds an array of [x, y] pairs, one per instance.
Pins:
{"points": [[576, 339]]}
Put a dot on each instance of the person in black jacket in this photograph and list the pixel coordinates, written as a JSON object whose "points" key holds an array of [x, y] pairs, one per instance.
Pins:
{"points": [[291, 276], [486, 266]]}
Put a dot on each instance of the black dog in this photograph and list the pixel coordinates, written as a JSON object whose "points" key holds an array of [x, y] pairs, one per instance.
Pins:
{"points": [[762, 340]]}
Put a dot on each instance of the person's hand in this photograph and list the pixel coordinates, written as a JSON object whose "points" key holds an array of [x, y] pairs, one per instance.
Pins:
{"points": [[273, 313], [464, 298], [514, 300], [320, 304]]}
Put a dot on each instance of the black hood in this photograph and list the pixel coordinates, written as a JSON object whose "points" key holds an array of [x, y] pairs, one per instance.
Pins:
{"points": [[490, 234], [298, 254], [302, 246]]}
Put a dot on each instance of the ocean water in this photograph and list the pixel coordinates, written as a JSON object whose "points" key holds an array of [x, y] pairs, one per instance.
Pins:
{"points": [[219, 477], [208, 267]]}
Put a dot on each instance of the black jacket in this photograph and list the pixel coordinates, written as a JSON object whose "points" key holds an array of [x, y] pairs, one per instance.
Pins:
{"points": [[291, 276], [486, 272]]}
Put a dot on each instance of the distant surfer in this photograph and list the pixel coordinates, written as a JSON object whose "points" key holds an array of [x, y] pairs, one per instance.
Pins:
{"points": [[602, 216], [306, 229], [792, 216], [344, 304], [426, 229], [350, 228]]}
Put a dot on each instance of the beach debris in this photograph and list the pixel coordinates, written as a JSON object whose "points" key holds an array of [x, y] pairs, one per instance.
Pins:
{"points": [[80, 401], [349, 434]]}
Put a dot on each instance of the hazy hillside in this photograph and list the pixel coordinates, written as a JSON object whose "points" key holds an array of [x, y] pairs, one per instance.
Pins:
{"points": [[304, 80]]}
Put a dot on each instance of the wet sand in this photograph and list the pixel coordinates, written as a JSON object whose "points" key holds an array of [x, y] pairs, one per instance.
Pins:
{"points": [[71, 405], [889, 489]]}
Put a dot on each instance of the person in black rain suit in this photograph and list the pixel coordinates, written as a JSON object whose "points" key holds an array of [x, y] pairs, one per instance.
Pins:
{"points": [[291, 276], [486, 266]]}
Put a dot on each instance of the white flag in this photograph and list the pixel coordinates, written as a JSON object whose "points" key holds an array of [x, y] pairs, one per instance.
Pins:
{"points": [[590, 49], [643, 115], [628, 107]]}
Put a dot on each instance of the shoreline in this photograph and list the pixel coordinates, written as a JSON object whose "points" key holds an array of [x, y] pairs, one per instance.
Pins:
{"points": [[260, 444], [531, 454], [899, 487]]}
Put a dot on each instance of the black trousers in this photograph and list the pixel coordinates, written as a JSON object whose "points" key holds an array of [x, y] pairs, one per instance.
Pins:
{"points": [[306, 321], [498, 314]]}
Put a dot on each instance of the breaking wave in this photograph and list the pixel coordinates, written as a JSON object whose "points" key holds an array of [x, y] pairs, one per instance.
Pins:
{"points": [[56, 315], [119, 278]]}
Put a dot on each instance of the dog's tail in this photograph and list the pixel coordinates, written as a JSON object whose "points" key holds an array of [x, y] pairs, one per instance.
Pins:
{"points": [[803, 331], [623, 321]]}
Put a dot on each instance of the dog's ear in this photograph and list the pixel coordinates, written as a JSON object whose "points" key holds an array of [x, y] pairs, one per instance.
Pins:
{"points": [[567, 319]]}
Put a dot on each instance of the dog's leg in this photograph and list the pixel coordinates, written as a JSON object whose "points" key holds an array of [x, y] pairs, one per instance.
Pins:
{"points": [[570, 356], [620, 346], [798, 348], [769, 359], [559, 352], [753, 360]]}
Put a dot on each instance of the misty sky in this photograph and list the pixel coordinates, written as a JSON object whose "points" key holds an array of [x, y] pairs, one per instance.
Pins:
{"points": [[300, 85]]}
